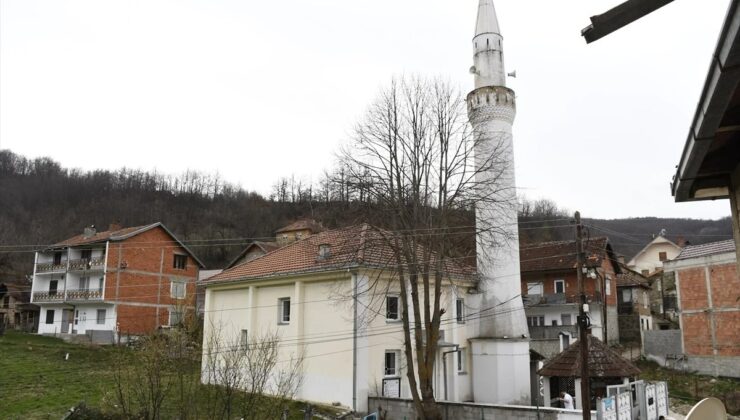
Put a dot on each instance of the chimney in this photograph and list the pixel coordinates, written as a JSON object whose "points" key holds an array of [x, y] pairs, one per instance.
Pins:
{"points": [[115, 226], [620, 258], [89, 232]]}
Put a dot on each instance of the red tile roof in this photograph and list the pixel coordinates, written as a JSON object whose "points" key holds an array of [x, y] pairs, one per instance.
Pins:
{"points": [[603, 362], [561, 255], [703, 250], [355, 246], [103, 236], [264, 246], [629, 278], [302, 224], [119, 235]]}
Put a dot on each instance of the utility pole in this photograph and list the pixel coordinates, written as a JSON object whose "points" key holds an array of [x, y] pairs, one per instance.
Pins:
{"points": [[583, 322]]}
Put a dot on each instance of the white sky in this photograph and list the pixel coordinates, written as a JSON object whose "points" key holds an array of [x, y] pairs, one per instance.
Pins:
{"points": [[259, 90]]}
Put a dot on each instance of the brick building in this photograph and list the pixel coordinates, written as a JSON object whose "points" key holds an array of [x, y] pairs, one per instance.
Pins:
{"points": [[709, 311], [550, 288], [124, 281], [633, 306]]}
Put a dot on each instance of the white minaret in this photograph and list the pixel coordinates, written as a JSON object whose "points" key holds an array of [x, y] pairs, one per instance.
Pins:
{"points": [[501, 350]]}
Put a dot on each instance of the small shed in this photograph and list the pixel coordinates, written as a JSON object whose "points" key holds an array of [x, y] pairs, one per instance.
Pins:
{"points": [[605, 366]]}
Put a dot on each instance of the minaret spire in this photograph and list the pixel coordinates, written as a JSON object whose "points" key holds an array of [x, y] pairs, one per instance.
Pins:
{"points": [[500, 348], [488, 49]]}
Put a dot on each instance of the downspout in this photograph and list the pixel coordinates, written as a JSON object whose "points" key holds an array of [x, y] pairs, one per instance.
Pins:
{"points": [[444, 366], [354, 344]]}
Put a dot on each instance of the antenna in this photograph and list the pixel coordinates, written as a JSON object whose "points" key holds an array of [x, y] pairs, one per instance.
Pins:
{"points": [[708, 408], [512, 74]]}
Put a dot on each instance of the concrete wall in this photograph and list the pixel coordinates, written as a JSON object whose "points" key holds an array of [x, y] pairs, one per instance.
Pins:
{"points": [[662, 342], [398, 409]]}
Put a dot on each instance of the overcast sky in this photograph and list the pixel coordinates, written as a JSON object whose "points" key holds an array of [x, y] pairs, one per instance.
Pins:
{"points": [[259, 90]]}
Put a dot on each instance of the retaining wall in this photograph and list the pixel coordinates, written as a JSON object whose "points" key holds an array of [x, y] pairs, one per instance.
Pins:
{"points": [[399, 409]]}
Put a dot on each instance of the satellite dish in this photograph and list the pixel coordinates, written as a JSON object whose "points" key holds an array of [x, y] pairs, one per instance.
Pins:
{"points": [[512, 74], [708, 409], [473, 70]]}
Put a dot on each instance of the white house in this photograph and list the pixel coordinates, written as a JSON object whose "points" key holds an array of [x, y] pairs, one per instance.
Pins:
{"points": [[651, 257], [352, 348]]}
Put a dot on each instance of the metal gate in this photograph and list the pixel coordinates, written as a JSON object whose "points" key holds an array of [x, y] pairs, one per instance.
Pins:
{"points": [[651, 406], [615, 407], [661, 391]]}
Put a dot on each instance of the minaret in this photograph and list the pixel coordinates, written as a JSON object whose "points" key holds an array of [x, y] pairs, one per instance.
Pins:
{"points": [[501, 349]]}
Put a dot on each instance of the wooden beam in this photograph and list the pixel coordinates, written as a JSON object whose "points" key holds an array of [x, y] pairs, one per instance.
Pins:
{"points": [[620, 16]]}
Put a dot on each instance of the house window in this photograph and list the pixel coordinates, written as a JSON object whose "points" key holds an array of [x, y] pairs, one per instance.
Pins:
{"points": [[180, 261], [177, 289], [57, 258], [627, 295], [86, 254], [534, 288], [391, 362], [608, 285], [324, 251], [391, 308], [244, 339], [461, 360], [53, 286], [100, 319], [175, 317], [284, 310], [84, 283], [559, 286], [49, 316], [536, 321], [662, 256], [460, 310], [566, 319]]}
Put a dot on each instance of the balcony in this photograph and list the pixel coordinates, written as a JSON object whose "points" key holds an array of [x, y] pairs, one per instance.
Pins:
{"points": [[551, 332], [84, 264], [558, 299], [51, 267], [83, 295], [48, 296]]}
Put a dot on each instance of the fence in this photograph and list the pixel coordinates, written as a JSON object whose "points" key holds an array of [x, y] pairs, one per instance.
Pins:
{"points": [[399, 408]]}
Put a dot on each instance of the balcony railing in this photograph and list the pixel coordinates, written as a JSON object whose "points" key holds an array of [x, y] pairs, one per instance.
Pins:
{"points": [[50, 267], [557, 299], [84, 294], [87, 264], [48, 296], [69, 295], [550, 332]]}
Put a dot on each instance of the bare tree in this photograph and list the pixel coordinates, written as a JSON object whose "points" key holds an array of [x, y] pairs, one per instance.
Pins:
{"points": [[251, 377], [414, 152]]}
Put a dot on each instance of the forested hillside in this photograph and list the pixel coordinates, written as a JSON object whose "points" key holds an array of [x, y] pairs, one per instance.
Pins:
{"points": [[41, 203]]}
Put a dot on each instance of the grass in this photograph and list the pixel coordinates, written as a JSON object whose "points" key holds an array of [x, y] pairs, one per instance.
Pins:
{"points": [[36, 382], [692, 387]]}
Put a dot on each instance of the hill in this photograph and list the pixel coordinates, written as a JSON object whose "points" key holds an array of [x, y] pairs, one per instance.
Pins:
{"points": [[42, 203]]}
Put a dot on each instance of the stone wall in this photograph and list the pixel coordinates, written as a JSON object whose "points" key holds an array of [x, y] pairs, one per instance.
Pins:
{"points": [[399, 409]]}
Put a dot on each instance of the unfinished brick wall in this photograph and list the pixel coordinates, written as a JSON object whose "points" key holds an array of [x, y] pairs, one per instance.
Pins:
{"points": [[140, 270], [710, 321]]}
